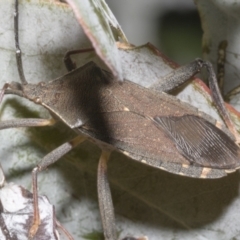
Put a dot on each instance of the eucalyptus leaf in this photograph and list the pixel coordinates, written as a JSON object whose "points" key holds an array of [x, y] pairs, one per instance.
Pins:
{"points": [[148, 202], [102, 29]]}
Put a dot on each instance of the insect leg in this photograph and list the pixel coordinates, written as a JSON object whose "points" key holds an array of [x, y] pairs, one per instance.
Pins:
{"points": [[178, 76], [29, 122], [221, 64], [2, 177], [105, 198], [184, 73], [232, 93], [133, 238], [70, 65], [49, 159], [69, 236], [218, 100]]}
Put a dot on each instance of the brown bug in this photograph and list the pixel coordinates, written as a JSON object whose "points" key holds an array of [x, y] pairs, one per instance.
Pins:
{"points": [[121, 117]]}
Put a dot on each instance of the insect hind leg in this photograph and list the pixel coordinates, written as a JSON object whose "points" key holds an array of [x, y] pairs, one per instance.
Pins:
{"points": [[184, 73]]}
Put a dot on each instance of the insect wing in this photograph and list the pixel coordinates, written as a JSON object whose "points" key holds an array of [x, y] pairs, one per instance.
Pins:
{"points": [[200, 141]]}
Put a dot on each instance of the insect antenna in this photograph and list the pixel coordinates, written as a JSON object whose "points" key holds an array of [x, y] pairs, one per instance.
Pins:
{"points": [[14, 87], [18, 50]]}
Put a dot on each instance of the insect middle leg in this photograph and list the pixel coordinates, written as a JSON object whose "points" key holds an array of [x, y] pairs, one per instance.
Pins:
{"points": [[105, 198], [104, 192], [49, 159]]}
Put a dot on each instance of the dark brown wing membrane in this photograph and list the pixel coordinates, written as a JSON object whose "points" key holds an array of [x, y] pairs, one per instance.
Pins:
{"points": [[201, 142]]}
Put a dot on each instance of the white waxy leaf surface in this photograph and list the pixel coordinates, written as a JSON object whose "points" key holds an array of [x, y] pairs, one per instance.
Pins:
{"points": [[148, 202]]}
